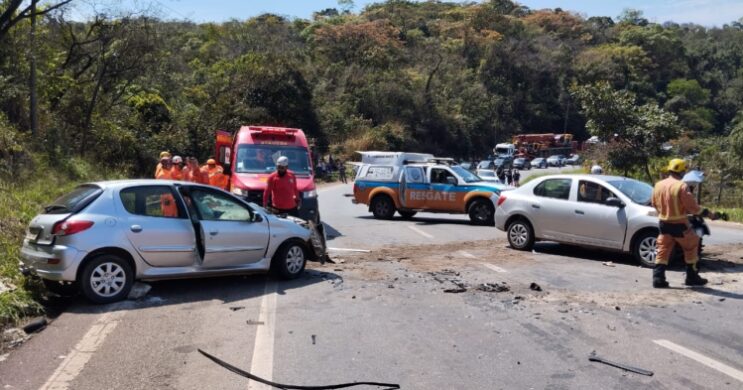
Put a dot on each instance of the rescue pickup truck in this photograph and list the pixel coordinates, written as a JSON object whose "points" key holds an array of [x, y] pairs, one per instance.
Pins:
{"points": [[407, 183]]}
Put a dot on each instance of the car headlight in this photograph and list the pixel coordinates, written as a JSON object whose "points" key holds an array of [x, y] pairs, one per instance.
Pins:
{"points": [[238, 191], [309, 194]]}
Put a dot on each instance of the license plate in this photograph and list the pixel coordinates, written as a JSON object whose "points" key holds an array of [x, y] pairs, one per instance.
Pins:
{"points": [[32, 236]]}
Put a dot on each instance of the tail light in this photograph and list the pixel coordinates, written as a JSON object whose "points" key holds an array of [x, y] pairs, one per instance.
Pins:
{"points": [[501, 199], [66, 228]]}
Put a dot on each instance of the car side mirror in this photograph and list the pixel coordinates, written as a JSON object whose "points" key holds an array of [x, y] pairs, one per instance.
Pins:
{"points": [[451, 180], [257, 218], [615, 202]]}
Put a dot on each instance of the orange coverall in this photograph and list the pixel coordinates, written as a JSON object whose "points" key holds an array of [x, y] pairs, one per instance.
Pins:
{"points": [[167, 202], [674, 203], [216, 177]]}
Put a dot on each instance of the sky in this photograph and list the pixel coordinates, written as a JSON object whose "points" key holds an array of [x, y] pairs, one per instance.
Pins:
{"points": [[705, 12]]}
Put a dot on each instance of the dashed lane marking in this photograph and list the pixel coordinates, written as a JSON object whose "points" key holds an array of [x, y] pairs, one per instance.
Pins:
{"points": [[76, 360], [707, 361], [494, 268], [261, 364], [421, 232], [467, 255]]}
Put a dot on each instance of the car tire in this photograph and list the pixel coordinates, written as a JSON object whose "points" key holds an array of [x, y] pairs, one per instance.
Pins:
{"points": [[644, 248], [289, 260], [520, 235], [407, 214], [481, 212], [64, 289], [382, 207], [107, 278]]}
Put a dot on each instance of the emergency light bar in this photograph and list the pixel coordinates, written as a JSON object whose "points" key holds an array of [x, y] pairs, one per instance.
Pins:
{"points": [[273, 131]]}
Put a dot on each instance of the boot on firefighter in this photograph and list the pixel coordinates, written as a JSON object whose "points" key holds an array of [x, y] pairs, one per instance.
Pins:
{"points": [[674, 202]]}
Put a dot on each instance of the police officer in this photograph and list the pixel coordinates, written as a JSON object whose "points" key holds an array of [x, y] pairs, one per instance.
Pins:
{"points": [[673, 201], [281, 191]]}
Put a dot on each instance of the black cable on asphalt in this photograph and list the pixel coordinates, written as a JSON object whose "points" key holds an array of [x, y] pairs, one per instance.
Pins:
{"points": [[243, 373], [592, 357]]}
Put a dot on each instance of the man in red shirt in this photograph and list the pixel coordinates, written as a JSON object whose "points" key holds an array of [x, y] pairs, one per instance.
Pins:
{"points": [[281, 191]]}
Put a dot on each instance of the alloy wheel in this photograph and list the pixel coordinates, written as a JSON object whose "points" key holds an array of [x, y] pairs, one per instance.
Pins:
{"points": [[108, 279]]}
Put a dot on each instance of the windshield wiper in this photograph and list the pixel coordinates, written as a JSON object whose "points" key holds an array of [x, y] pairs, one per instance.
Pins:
{"points": [[55, 207]]}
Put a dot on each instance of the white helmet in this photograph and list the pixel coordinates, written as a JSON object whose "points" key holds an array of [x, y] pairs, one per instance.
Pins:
{"points": [[283, 161], [596, 170], [177, 160]]}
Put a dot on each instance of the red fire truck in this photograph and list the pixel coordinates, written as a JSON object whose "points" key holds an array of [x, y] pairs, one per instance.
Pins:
{"points": [[250, 156], [544, 145]]}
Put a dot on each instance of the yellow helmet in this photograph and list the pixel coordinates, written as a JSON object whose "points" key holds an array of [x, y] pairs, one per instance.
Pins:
{"points": [[676, 165], [164, 155]]}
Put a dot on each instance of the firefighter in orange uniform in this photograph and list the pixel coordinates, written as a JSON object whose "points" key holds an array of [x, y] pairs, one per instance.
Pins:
{"points": [[167, 202], [674, 203], [163, 155], [215, 174], [176, 171]]}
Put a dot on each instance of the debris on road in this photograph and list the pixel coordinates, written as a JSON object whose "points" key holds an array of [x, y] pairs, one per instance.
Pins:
{"points": [[35, 325], [314, 339], [617, 308], [609, 264], [245, 374], [12, 338], [493, 287], [253, 322], [535, 287], [592, 357], [236, 308], [139, 290], [456, 290]]}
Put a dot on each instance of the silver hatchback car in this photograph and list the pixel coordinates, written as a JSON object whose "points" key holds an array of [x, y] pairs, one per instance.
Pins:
{"points": [[101, 237], [609, 212]]}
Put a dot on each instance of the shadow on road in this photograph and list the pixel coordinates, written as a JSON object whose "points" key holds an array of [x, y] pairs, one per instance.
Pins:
{"points": [[227, 289], [331, 232], [717, 293]]}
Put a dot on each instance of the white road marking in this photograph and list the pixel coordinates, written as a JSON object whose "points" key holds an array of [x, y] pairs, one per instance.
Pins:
{"points": [[494, 268], [709, 362], [349, 250], [76, 360], [261, 364], [467, 255], [421, 232]]}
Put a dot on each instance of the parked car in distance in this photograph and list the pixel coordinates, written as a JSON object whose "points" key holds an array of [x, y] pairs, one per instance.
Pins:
{"points": [[539, 162], [467, 165], [103, 236], [574, 160], [609, 212], [557, 160], [486, 164], [487, 175], [503, 162], [522, 163]]}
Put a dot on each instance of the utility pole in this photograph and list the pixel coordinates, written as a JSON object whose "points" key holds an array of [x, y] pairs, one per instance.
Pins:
{"points": [[34, 114]]}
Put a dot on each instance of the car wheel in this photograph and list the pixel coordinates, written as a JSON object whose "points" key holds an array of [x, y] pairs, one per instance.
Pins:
{"points": [[65, 289], [644, 250], [520, 235], [482, 212], [382, 207], [107, 278], [407, 214], [290, 259]]}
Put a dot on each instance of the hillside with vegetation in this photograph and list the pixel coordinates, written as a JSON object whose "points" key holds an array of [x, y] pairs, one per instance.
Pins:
{"points": [[82, 100]]}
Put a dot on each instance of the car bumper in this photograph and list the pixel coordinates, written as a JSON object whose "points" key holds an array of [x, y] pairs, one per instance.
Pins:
{"points": [[55, 262], [500, 219], [309, 210]]}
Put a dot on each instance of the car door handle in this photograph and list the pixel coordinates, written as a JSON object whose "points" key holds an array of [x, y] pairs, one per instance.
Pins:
{"points": [[579, 212], [214, 232], [135, 228], [536, 206]]}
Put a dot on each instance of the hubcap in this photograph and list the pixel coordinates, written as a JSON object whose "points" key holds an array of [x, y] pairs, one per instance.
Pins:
{"points": [[647, 249], [294, 259], [108, 279], [519, 235], [383, 208]]}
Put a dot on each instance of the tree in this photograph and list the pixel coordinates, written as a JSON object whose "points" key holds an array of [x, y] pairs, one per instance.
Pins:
{"points": [[614, 116], [13, 12]]}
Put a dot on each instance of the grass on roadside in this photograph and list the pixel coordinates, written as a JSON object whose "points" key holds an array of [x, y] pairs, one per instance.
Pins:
{"points": [[734, 214]]}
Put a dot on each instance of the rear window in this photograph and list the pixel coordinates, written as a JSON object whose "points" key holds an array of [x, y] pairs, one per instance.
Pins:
{"points": [[553, 188], [73, 201], [380, 173]]}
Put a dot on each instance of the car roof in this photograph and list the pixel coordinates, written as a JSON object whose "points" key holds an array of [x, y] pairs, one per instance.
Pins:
{"points": [[139, 182], [585, 175]]}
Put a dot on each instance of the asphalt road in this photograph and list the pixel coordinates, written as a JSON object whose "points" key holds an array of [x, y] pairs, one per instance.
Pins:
{"points": [[384, 316]]}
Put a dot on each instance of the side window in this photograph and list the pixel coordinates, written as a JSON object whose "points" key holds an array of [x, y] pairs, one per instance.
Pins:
{"points": [[592, 192], [554, 188], [439, 175], [151, 201], [414, 174], [379, 173], [214, 206]]}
